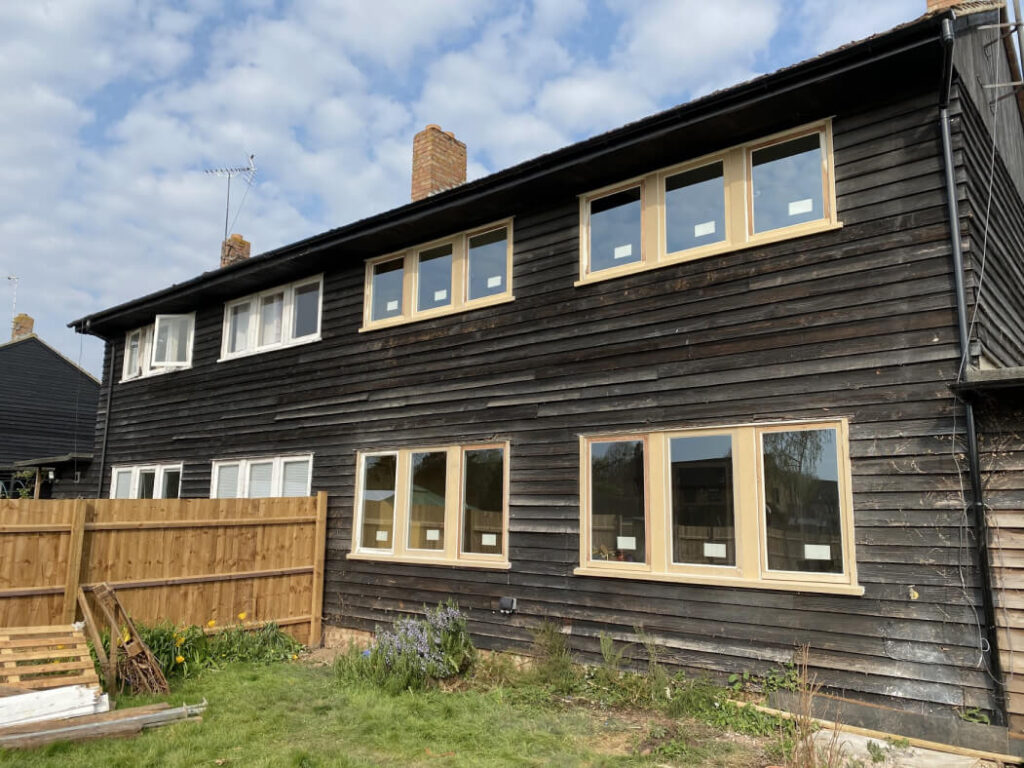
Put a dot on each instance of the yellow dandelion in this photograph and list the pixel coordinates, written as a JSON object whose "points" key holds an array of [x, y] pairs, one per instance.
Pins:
{"points": [[179, 659], [295, 656], [211, 623], [179, 641], [242, 615]]}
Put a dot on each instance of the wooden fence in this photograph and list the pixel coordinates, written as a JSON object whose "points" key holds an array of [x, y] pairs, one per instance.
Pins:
{"points": [[181, 560]]}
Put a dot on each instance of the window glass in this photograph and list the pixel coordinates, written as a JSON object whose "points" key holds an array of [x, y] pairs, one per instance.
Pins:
{"points": [[427, 500], [296, 478], [131, 367], [695, 208], [387, 289], [307, 310], [801, 501], [172, 338], [238, 330], [615, 224], [378, 501], [617, 503], [488, 263], [147, 483], [123, 484], [434, 278], [788, 183], [483, 501], [171, 485], [227, 481], [271, 315], [260, 479], [703, 519]]}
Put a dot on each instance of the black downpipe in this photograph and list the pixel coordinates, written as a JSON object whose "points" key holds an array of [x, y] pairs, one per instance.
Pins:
{"points": [[106, 421], [977, 495]]}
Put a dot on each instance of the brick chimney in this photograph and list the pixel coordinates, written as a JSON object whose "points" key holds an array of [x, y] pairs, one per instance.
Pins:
{"points": [[937, 6], [233, 250], [438, 162], [21, 326]]}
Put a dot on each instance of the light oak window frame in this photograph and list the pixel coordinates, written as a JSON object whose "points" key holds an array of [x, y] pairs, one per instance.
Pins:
{"points": [[737, 173], [451, 554], [460, 301], [288, 339], [751, 569]]}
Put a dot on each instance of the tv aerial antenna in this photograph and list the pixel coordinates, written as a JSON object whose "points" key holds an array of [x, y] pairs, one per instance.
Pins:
{"points": [[13, 279], [247, 172]]}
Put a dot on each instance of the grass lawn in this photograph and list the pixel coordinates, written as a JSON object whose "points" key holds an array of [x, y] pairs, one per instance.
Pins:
{"points": [[295, 714]]}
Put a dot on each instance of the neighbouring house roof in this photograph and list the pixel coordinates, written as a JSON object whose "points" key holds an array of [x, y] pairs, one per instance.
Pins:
{"points": [[991, 380], [54, 461], [799, 93]]}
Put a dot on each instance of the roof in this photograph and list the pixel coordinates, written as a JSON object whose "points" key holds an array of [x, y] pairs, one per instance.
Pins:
{"points": [[799, 93], [991, 380], [63, 357], [48, 461]]}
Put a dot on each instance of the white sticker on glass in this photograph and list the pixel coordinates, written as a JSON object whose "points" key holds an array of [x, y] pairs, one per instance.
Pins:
{"points": [[494, 281], [704, 229], [392, 306], [489, 539], [625, 542], [623, 251], [798, 207], [441, 295], [433, 534], [817, 552], [382, 535], [714, 550]]}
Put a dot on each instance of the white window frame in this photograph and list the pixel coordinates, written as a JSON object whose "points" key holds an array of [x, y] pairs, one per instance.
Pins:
{"points": [[147, 366], [288, 339], [276, 475], [137, 469]]}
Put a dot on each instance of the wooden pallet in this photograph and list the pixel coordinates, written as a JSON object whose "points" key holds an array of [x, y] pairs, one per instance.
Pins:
{"points": [[39, 658]]}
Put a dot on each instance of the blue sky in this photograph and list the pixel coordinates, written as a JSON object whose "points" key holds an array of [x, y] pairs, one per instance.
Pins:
{"points": [[111, 109]]}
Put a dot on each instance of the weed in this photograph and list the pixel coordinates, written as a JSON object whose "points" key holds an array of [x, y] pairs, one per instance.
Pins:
{"points": [[973, 715], [553, 665]]}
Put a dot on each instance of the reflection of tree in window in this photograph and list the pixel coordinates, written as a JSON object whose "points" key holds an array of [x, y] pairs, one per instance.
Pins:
{"points": [[378, 501], [801, 490], [483, 501], [427, 502], [617, 501], [702, 502]]}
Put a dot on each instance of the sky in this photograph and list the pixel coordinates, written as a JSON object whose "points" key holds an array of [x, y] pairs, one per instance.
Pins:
{"points": [[110, 111]]}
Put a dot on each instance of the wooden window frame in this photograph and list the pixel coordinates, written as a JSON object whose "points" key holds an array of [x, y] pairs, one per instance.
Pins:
{"points": [[451, 555], [137, 469], [738, 206], [460, 301], [146, 366], [276, 475], [751, 568], [288, 339]]}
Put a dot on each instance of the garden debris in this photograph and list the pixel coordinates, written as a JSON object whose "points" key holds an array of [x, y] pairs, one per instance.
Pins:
{"points": [[52, 704], [130, 658], [125, 722], [38, 658]]}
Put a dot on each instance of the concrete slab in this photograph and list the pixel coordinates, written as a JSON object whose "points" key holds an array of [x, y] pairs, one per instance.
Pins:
{"points": [[885, 755]]}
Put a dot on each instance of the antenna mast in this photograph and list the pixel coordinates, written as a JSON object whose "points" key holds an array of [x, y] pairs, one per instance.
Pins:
{"points": [[14, 302], [247, 172]]}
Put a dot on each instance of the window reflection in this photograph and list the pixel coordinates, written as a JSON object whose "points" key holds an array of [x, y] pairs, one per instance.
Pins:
{"points": [[703, 523], [695, 208], [788, 183], [427, 500], [434, 278], [488, 263], [378, 501], [483, 501], [617, 504], [387, 289], [615, 224]]}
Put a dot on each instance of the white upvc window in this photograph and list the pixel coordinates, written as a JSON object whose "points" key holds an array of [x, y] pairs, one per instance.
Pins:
{"points": [[165, 345], [146, 481], [282, 316], [261, 477]]}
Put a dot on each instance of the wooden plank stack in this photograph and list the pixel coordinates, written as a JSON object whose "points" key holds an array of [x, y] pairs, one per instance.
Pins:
{"points": [[38, 658]]}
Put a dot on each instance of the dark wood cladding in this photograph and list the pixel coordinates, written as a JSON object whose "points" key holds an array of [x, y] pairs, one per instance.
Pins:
{"points": [[856, 323]]}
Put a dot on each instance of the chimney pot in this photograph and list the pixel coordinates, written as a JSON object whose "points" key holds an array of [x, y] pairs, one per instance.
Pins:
{"points": [[21, 326], [233, 250], [438, 162]]}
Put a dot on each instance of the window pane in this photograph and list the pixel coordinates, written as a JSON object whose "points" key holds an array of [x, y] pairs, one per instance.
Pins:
{"points": [[296, 478], [172, 337], [617, 508], [171, 484], [131, 367], [483, 501], [427, 498], [387, 289], [801, 492], [227, 481], [788, 183], [307, 310], [695, 208], [123, 484], [271, 314], [434, 278], [702, 505], [260, 476], [147, 481], [615, 230], [238, 330], [378, 501], [488, 262]]}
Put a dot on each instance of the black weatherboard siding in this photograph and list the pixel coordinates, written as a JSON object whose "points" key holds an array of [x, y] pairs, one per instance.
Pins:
{"points": [[857, 323]]}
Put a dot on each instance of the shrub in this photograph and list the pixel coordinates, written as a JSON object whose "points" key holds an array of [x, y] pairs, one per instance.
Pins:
{"points": [[553, 664]]}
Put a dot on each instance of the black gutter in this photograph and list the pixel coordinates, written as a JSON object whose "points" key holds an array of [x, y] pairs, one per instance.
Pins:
{"points": [[106, 422], [977, 503]]}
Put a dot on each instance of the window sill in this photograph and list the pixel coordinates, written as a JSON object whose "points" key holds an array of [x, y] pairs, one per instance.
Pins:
{"points": [[266, 350], [703, 252], [497, 565], [723, 581], [429, 314], [159, 372]]}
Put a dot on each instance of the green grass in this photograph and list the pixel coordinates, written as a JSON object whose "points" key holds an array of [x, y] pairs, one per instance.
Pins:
{"points": [[298, 716]]}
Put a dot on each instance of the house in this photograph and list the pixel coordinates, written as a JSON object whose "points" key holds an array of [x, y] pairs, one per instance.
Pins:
{"points": [[692, 375], [47, 417]]}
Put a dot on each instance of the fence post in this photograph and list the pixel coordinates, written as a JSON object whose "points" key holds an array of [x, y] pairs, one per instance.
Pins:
{"points": [[316, 612], [74, 574]]}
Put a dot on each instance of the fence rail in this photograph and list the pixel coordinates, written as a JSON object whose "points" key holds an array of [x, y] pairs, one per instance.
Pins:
{"points": [[181, 560]]}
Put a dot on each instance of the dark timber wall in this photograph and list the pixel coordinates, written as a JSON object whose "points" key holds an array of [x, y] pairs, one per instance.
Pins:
{"points": [[857, 323]]}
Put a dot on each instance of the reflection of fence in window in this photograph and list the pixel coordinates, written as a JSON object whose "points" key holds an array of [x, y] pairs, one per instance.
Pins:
{"points": [[704, 544]]}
